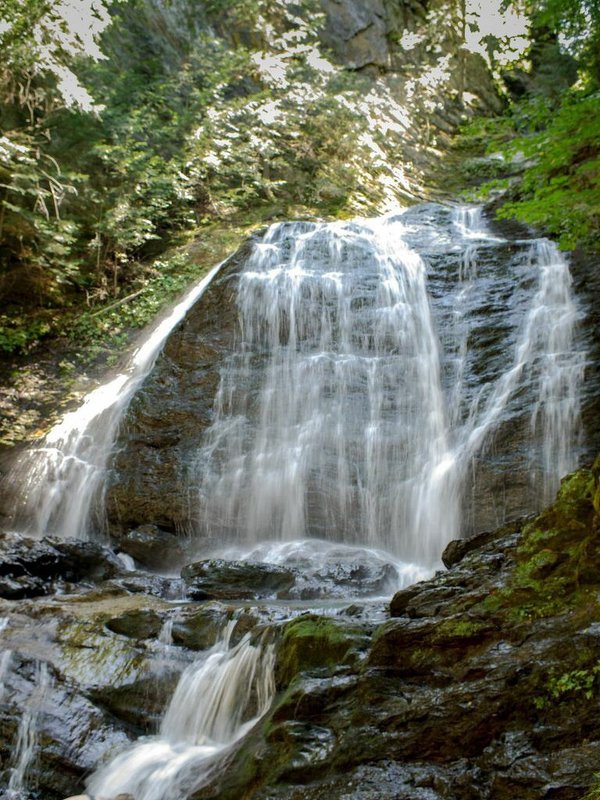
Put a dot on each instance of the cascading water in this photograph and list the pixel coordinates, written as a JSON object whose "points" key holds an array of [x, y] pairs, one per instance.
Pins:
{"points": [[218, 700], [59, 482], [345, 426], [343, 437], [351, 409], [27, 738], [376, 360]]}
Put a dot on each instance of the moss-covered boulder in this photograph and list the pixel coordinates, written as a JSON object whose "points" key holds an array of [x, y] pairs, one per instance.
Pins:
{"points": [[311, 643]]}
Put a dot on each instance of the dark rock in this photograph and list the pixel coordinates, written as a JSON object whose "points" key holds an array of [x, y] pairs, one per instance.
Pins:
{"points": [[402, 599], [235, 580], [457, 549], [201, 628], [164, 426], [139, 623], [153, 547], [83, 561], [22, 587], [28, 567]]}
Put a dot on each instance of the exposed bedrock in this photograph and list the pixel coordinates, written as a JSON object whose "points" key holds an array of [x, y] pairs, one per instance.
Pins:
{"points": [[152, 500]]}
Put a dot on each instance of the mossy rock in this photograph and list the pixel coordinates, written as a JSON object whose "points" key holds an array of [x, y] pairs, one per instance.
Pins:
{"points": [[558, 558], [310, 643], [139, 623], [596, 489]]}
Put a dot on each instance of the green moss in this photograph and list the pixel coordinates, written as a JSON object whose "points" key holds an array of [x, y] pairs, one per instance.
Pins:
{"points": [[557, 562], [311, 642], [457, 628]]}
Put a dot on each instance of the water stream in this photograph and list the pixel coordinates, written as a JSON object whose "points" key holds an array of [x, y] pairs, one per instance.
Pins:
{"points": [[352, 407], [60, 483], [27, 736], [219, 698], [345, 426]]}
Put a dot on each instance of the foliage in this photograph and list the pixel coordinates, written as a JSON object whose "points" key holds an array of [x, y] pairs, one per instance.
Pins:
{"points": [[578, 22], [582, 683], [176, 127], [556, 151]]}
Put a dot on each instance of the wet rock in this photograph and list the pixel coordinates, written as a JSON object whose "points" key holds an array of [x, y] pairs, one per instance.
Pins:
{"points": [[311, 642], [153, 547], [137, 624], [235, 580], [22, 587], [471, 692], [402, 599], [201, 628], [140, 703], [458, 549], [345, 578], [70, 735], [28, 567], [156, 585]]}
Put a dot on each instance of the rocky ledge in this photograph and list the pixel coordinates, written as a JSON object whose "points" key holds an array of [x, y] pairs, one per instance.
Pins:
{"points": [[485, 683], [482, 682]]}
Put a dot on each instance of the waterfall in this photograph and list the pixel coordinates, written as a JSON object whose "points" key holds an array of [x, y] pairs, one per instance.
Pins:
{"points": [[351, 409], [219, 698], [560, 367], [376, 362], [347, 435], [545, 348], [60, 481]]}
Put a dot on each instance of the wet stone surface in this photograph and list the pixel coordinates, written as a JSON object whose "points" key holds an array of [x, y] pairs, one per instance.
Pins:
{"points": [[482, 682]]}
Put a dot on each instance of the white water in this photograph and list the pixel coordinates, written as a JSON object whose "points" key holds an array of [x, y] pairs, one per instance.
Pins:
{"points": [[333, 420], [349, 426], [27, 737], [5, 660], [349, 413], [60, 481], [545, 349], [218, 700]]}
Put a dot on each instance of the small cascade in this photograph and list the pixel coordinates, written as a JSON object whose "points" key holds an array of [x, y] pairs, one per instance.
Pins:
{"points": [[219, 698], [27, 737], [57, 485], [165, 636], [545, 352], [5, 664], [560, 367], [5, 660]]}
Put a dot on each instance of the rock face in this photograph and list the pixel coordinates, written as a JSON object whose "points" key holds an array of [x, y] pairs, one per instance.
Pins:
{"points": [[163, 429], [31, 567], [153, 502], [216, 579], [485, 684]]}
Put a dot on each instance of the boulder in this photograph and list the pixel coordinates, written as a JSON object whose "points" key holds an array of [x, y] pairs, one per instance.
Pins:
{"points": [[217, 579], [153, 547], [29, 567]]}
